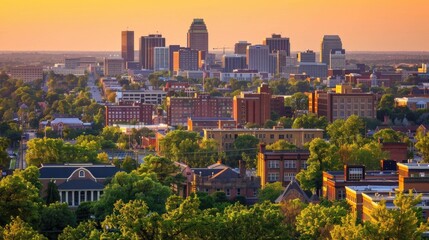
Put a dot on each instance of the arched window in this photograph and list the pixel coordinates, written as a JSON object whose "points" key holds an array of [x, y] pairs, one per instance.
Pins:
{"points": [[81, 174]]}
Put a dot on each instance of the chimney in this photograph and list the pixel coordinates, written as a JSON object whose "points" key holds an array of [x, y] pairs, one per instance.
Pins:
{"points": [[242, 168]]}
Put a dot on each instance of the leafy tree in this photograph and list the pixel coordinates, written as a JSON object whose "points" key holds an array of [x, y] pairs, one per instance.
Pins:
{"points": [[387, 101], [270, 124], [30, 174], [85, 230], [4, 157], [298, 101], [52, 193], [291, 209], [390, 135], [422, 145], [165, 170], [286, 122], [129, 164], [55, 218], [131, 186], [270, 192], [244, 145], [310, 121], [346, 131], [316, 221], [18, 229], [281, 145], [323, 156]]}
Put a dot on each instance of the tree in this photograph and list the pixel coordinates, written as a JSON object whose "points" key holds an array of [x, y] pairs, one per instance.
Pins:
{"points": [[298, 101], [19, 198], [310, 121], [129, 164], [52, 194], [323, 156], [131, 186], [85, 230], [422, 145], [55, 218], [346, 131], [270, 124], [244, 145], [281, 145], [270, 192], [286, 122], [316, 221], [291, 209], [18, 229], [4, 157], [387, 101], [165, 170], [390, 135]]}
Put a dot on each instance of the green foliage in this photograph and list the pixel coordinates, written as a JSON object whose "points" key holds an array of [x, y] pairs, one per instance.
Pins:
{"points": [[310, 121], [390, 135], [131, 186], [298, 101], [52, 194], [85, 230], [316, 221], [286, 122], [387, 101], [346, 131], [4, 157], [270, 192], [55, 218], [422, 145], [245, 148], [165, 170], [18, 229], [281, 145]]}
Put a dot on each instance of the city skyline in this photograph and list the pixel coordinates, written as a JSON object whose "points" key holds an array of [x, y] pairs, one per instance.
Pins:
{"points": [[371, 26]]}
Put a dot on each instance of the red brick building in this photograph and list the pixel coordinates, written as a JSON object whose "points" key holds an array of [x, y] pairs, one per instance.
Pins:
{"points": [[280, 166], [127, 112], [257, 107], [179, 109]]}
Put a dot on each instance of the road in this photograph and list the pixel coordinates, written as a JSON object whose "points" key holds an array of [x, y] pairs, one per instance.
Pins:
{"points": [[93, 89]]}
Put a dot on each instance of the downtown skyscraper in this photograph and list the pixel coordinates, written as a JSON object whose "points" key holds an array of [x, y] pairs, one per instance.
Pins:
{"points": [[127, 47], [198, 36], [277, 43], [147, 45], [329, 42]]}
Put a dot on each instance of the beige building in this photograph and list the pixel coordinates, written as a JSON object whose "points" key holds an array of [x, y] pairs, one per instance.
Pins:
{"points": [[26, 73], [113, 66], [226, 137]]}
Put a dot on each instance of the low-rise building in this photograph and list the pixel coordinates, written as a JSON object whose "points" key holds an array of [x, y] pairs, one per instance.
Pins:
{"points": [[129, 112], [197, 124], [413, 103], [155, 97], [59, 124], [77, 183], [26, 73]]}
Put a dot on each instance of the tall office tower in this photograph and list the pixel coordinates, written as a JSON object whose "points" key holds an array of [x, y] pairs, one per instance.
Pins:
{"points": [[161, 58], [329, 42], [281, 61], [337, 59], [198, 36], [231, 62], [185, 59], [147, 45], [172, 49], [307, 56], [128, 46], [272, 63], [258, 58], [241, 46], [276, 43]]}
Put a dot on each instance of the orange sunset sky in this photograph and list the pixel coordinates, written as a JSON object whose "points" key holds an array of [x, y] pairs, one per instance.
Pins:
{"points": [[95, 25]]}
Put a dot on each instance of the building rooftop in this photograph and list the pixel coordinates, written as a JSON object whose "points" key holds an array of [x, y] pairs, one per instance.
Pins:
{"points": [[265, 129], [372, 188], [414, 166]]}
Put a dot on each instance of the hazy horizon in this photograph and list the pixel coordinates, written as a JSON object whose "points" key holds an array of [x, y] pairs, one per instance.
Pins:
{"points": [[96, 25]]}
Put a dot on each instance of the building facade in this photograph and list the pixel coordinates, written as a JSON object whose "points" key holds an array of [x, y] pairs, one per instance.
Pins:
{"points": [[240, 47], [155, 97], [26, 73], [161, 58], [307, 56], [277, 43], [337, 59], [226, 137], [179, 109], [185, 59], [147, 45], [128, 112], [113, 66], [198, 36], [198, 124], [231, 62], [342, 104], [127, 47], [258, 58], [413, 103]]}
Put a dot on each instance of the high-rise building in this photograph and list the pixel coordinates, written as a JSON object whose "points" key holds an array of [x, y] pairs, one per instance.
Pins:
{"points": [[172, 49], [198, 36], [281, 61], [337, 59], [128, 46], [161, 58], [307, 56], [231, 62], [329, 42], [277, 43], [240, 47], [113, 66], [258, 58], [185, 59], [147, 45]]}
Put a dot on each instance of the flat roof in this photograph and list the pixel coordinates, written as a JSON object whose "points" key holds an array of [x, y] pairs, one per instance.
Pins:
{"points": [[373, 188], [266, 130], [415, 166]]}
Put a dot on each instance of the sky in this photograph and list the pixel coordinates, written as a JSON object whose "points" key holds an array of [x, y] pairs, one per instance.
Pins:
{"points": [[96, 25]]}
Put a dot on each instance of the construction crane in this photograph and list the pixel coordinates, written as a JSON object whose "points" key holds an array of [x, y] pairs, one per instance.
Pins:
{"points": [[222, 48]]}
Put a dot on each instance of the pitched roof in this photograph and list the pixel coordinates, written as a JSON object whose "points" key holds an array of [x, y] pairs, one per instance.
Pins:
{"points": [[204, 172], [80, 185], [64, 171], [293, 186], [226, 173]]}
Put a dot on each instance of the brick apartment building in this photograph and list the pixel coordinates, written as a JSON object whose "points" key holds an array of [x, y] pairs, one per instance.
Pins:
{"points": [[226, 137], [342, 103], [128, 112], [198, 124], [280, 166], [179, 109], [257, 107]]}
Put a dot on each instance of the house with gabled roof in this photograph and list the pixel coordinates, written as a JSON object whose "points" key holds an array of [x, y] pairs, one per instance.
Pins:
{"points": [[294, 191], [77, 182]]}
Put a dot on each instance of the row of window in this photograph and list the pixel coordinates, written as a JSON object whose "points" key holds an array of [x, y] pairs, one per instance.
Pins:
{"points": [[228, 191], [290, 164], [275, 177]]}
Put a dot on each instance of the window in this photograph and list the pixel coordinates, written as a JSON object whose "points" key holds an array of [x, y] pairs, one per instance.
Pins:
{"points": [[273, 164], [281, 136], [355, 174], [81, 174], [238, 191], [304, 165], [290, 164], [273, 177], [228, 192], [341, 194], [288, 176], [272, 136]]}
